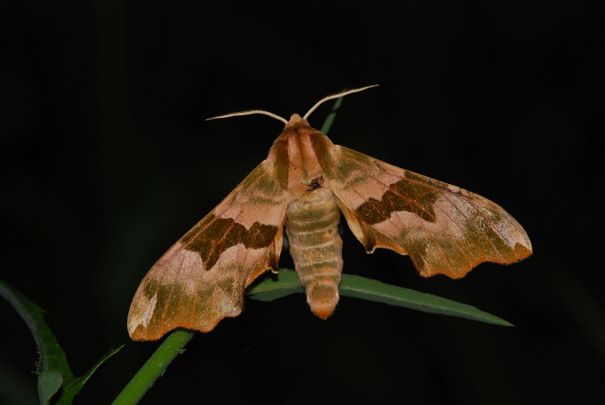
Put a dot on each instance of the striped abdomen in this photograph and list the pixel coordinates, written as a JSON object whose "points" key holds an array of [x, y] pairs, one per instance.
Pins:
{"points": [[316, 248]]}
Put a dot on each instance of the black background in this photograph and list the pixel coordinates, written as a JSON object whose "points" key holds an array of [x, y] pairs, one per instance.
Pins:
{"points": [[106, 160]]}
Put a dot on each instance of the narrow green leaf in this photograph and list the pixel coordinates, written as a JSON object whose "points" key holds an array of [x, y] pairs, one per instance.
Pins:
{"points": [[72, 389], [269, 289], [154, 367], [325, 128], [49, 383], [52, 359], [373, 290], [53, 369]]}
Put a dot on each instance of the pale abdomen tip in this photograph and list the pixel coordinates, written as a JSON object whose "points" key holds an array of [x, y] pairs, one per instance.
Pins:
{"points": [[322, 299]]}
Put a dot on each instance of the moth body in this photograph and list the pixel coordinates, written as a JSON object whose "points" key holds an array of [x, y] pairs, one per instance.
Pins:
{"points": [[316, 247], [312, 216]]}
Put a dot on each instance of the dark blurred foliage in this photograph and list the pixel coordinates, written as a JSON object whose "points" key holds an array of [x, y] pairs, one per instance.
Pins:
{"points": [[105, 161]]}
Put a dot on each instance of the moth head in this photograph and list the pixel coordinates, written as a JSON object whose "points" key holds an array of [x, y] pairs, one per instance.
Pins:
{"points": [[295, 119]]}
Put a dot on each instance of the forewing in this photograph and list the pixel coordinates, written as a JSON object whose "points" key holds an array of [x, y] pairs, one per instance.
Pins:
{"points": [[443, 228], [201, 278]]}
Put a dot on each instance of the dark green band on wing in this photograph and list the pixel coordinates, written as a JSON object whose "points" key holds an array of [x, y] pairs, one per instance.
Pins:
{"points": [[211, 237], [401, 196]]}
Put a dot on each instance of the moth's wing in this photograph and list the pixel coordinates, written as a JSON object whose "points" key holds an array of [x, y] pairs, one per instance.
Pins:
{"points": [[443, 228], [201, 278]]}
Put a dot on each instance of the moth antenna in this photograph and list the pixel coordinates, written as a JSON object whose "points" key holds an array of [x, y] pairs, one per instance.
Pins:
{"points": [[249, 112], [337, 95]]}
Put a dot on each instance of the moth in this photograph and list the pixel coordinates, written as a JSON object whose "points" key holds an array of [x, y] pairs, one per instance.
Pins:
{"points": [[302, 187]]}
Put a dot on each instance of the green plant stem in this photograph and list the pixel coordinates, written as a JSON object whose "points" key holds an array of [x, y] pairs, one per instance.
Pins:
{"points": [[154, 367]]}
